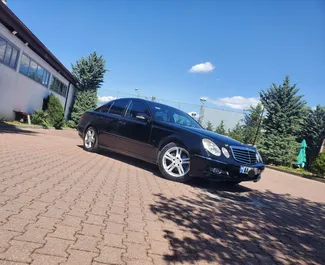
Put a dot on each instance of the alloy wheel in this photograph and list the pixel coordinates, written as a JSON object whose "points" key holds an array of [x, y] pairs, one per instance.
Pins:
{"points": [[176, 161], [90, 138]]}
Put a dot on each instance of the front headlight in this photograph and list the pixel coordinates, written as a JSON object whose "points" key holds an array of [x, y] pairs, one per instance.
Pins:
{"points": [[259, 157], [211, 147]]}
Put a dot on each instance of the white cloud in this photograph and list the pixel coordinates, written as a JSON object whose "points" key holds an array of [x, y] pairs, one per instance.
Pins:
{"points": [[105, 98], [236, 102], [202, 68]]}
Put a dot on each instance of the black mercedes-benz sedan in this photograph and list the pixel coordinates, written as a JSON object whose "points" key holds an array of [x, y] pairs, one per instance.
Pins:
{"points": [[170, 138]]}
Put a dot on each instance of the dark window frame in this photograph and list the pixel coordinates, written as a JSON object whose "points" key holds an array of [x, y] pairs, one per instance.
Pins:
{"points": [[99, 109], [13, 47], [34, 76], [137, 101], [126, 106]]}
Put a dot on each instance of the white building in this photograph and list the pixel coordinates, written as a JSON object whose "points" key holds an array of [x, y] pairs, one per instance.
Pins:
{"points": [[28, 70]]}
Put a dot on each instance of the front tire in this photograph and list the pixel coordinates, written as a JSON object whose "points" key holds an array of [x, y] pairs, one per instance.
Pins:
{"points": [[91, 140], [174, 162]]}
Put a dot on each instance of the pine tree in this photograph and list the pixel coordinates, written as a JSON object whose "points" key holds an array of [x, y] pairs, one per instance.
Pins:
{"points": [[251, 124], [282, 123], [237, 132], [221, 128], [314, 132], [55, 112], [209, 126], [89, 73]]}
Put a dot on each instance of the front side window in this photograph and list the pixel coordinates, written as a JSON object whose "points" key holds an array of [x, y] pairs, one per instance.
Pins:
{"points": [[119, 106], [135, 108], [105, 108], [8, 53], [171, 115]]}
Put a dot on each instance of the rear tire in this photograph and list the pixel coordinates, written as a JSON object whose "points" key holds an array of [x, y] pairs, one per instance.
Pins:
{"points": [[91, 139], [174, 163]]}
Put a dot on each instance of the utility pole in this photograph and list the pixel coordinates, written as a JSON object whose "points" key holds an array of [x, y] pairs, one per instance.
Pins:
{"points": [[201, 115]]}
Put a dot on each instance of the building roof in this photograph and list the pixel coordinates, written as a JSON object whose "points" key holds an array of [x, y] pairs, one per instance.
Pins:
{"points": [[13, 23]]}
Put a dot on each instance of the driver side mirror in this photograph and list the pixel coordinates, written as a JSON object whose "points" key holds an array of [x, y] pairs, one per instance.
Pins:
{"points": [[142, 117]]}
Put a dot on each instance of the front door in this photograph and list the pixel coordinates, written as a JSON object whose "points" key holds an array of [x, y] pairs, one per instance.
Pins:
{"points": [[135, 131]]}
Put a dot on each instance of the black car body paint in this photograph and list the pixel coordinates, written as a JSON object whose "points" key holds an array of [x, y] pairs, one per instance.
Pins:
{"points": [[144, 133]]}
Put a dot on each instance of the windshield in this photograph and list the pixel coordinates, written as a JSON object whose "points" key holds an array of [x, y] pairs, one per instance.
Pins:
{"points": [[168, 114]]}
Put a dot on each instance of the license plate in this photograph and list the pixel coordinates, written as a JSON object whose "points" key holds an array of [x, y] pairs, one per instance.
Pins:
{"points": [[245, 170]]}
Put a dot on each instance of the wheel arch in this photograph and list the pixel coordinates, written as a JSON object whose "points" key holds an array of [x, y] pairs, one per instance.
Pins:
{"points": [[89, 125], [164, 142]]}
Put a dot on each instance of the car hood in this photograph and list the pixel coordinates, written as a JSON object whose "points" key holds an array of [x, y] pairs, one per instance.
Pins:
{"points": [[212, 136]]}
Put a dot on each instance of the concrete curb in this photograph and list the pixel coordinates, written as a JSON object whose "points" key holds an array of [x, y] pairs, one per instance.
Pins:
{"points": [[319, 179], [38, 127]]}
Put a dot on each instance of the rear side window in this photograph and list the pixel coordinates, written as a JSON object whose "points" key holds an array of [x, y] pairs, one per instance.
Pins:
{"points": [[135, 108], [105, 108], [119, 106]]}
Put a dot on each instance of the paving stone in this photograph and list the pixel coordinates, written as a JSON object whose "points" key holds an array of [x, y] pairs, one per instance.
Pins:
{"points": [[16, 224], [5, 237], [78, 257], [135, 237], [112, 240], [19, 251], [91, 230], [39, 259], [64, 232], [46, 222], [110, 255], [95, 220], [72, 221], [55, 247], [86, 243], [113, 228], [33, 234], [136, 251]]}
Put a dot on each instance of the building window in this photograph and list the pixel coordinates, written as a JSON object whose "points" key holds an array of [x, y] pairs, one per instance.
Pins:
{"points": [[33, 70], [58, 87], [8, 53]]}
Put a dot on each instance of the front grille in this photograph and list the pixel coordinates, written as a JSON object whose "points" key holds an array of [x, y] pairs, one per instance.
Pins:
{"points": [[244, 155]]}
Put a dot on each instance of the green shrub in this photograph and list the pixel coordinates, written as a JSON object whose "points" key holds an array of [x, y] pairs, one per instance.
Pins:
{"points": [[318, 166], [70, 124], [55, 112], [40, 117]]}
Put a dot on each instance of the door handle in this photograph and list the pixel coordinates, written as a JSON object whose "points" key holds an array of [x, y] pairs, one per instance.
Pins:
{"points": [[100, 117]]}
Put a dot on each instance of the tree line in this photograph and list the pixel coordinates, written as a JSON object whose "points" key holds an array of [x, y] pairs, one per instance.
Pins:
{"points": [[286, 121]]}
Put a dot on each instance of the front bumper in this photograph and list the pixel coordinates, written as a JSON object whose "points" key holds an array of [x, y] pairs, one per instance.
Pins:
{"points": [[217, 170]]}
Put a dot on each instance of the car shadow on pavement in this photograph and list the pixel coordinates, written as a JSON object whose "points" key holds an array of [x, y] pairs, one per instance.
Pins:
{"points": [[10, 128], [254, 228], [232, 224]]}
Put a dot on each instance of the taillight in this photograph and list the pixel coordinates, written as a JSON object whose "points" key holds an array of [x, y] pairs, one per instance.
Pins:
{"points": [[81, 118]]}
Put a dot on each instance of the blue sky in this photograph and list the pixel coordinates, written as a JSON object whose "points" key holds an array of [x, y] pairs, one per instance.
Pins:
{"points": [[152, 45]]}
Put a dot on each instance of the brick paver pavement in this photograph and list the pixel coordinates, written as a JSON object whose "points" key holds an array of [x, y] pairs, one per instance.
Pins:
{"points": [[62, 205]]}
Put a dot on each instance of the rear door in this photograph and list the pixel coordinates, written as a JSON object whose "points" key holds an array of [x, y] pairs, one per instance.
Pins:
{"points": [[134, 131], [108, 120]]}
